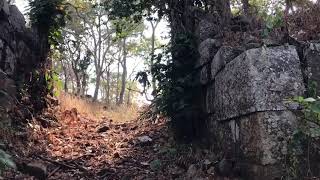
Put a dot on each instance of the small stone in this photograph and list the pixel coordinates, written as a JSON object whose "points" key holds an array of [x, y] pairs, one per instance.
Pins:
{"points": [[144, 163], [144, 139], [176, 172], [211, 171], [192, 171], [225, 167], [103, 129], [253, 45], [207, 162], [116, 155], [4, 6], [37, 170]]}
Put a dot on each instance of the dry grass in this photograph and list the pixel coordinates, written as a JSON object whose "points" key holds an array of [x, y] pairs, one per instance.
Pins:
{"points": [[95, 110]]}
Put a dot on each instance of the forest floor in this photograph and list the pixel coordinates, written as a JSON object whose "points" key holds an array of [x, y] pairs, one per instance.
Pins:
{"points": [[78, 147]]}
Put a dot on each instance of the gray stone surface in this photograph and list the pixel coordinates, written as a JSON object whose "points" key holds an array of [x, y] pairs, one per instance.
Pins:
{"points": [[265, 136], [207, 49], [9, 62], [208, 28], [210, 99], [312, 55], [225, 55], [204, 75], [7, 84], [7, 92], [258, 80], [4, 7], [16, 18], [261, 139]]}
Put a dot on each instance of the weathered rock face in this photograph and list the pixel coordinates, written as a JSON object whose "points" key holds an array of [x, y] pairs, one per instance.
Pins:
{"points": [[247, 91], [17, 56], [222, 57], [258, 80], [17, 19], [312, 55]]}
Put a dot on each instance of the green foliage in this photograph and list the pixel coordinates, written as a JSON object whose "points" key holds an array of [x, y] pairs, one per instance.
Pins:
{"points": [[54, 83], [176, 84], [303, 135], [5, 161], [311, 111], [49, 17], [273, 17]]}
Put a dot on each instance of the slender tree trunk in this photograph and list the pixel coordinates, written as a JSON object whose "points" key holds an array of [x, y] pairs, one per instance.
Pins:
{"points": [[65, 83], [118, 83], [97, 86], [108, 87], [78, 83], [129, 97], [84, 84], [224, 9], [65, 77], [124, 73], [153, 39]]}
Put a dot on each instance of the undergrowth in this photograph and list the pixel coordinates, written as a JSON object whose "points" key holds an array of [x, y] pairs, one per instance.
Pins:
{"points": [[304, 145], [96, 110]]}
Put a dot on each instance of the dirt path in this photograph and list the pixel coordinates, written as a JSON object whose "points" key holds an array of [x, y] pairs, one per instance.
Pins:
{"points": [[81, 148]]}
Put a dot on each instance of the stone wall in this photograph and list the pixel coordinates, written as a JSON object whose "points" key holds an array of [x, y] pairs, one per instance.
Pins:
{"points": [[247, 88], [18, 57]]}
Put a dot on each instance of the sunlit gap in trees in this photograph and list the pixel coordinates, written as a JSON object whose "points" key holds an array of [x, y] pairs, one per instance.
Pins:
{"points": [[135, 63]]}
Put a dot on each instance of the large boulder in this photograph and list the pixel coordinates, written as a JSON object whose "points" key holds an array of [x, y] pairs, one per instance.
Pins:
{"points": [[17, 19], [9, 61], [312, 55], [7, 85], [7, 94], [4, 7], [208, 28], [259, 141], [207, 50], [225, 55], [258, 80], [204, 77]]}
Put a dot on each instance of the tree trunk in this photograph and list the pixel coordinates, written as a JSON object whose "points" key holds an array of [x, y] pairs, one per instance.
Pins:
{"points": [[108, 87], [97, 86], [129, 97], [78, 83], [153, 39], [65, 77], [246, 8], [124, 73], [84, 84], [224, 9], [118, 83], [65, 83]]}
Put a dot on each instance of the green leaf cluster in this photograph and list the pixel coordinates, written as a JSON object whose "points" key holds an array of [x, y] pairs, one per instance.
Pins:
{"points": [[48, 17]]}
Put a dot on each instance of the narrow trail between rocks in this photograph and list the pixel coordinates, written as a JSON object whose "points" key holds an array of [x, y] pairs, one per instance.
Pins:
{"points": [[80, 148]]}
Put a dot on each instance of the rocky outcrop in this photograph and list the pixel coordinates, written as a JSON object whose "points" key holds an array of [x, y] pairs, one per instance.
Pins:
{"points": [[247, 103], [312, 58], [19, 57], [258, 80]]}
